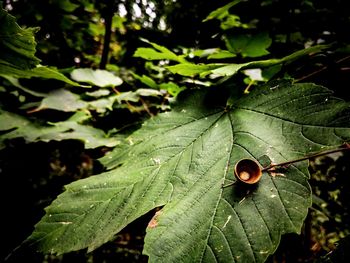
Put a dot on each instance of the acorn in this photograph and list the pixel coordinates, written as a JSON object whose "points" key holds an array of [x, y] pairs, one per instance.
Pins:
{"points": [[248, 171]]}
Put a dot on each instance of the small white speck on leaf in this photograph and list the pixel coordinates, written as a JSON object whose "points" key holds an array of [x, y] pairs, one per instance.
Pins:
{"points": [[273, 196], [263, 251], [156, 161], [273, 174], [66, 223], [228, 220], [240, 202]]}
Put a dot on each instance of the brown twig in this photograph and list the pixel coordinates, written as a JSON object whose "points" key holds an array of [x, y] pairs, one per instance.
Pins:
{"points": [[346, 147], [144, 104], [130, 107], [321, 69]]}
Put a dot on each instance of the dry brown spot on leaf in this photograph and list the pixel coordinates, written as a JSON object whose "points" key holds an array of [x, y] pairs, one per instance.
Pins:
{"points": [[153, 223]]}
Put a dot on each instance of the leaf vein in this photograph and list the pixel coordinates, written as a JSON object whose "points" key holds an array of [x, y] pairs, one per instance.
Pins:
{"points": [[269, 115], [226, 241], [282, 202], [211, 252], [245, 233]]}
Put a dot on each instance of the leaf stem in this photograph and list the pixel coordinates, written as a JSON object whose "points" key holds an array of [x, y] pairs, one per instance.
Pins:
{"points": [[320, 70], [345, 147]]}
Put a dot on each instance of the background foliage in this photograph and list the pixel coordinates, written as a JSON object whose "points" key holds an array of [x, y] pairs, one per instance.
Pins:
{"points": [[42, 136]]}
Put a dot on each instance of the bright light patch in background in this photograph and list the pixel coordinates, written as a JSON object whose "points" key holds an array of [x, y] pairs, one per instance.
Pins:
{"points": [[162, 25], [137, 10], [122, 10]]}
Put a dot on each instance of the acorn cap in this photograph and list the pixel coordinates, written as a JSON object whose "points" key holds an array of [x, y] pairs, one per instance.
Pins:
{"points": [[248, 171]]}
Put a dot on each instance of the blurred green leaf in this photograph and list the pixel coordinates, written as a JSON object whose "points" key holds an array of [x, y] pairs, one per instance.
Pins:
{"points": [[269, 72], [221, 54], [190, 70], [90, 136], [134, 96], [16, 126], [37, 72], [101, 105], [249, 45], [233, 21], [67, 5], [97, 77], [152, 54], [62, 100], [146, 80], [98, 93], [172, 88], [9, 121], [225, 69], [148, 92], [15, 82], [222, 12], [158, 52]]}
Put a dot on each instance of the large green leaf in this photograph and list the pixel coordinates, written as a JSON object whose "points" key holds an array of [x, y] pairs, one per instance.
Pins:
{"points": [[181, 159]]}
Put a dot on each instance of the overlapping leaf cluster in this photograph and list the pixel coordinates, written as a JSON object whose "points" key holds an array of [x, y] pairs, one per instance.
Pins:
{"points": [[60, 93], [180, 161]]}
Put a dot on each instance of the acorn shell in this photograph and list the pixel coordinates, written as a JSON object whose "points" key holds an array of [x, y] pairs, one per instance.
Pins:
{"points": [[248, 171]]}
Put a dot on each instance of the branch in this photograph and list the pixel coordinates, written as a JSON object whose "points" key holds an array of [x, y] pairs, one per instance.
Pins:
{"points": [[108, 17]]}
